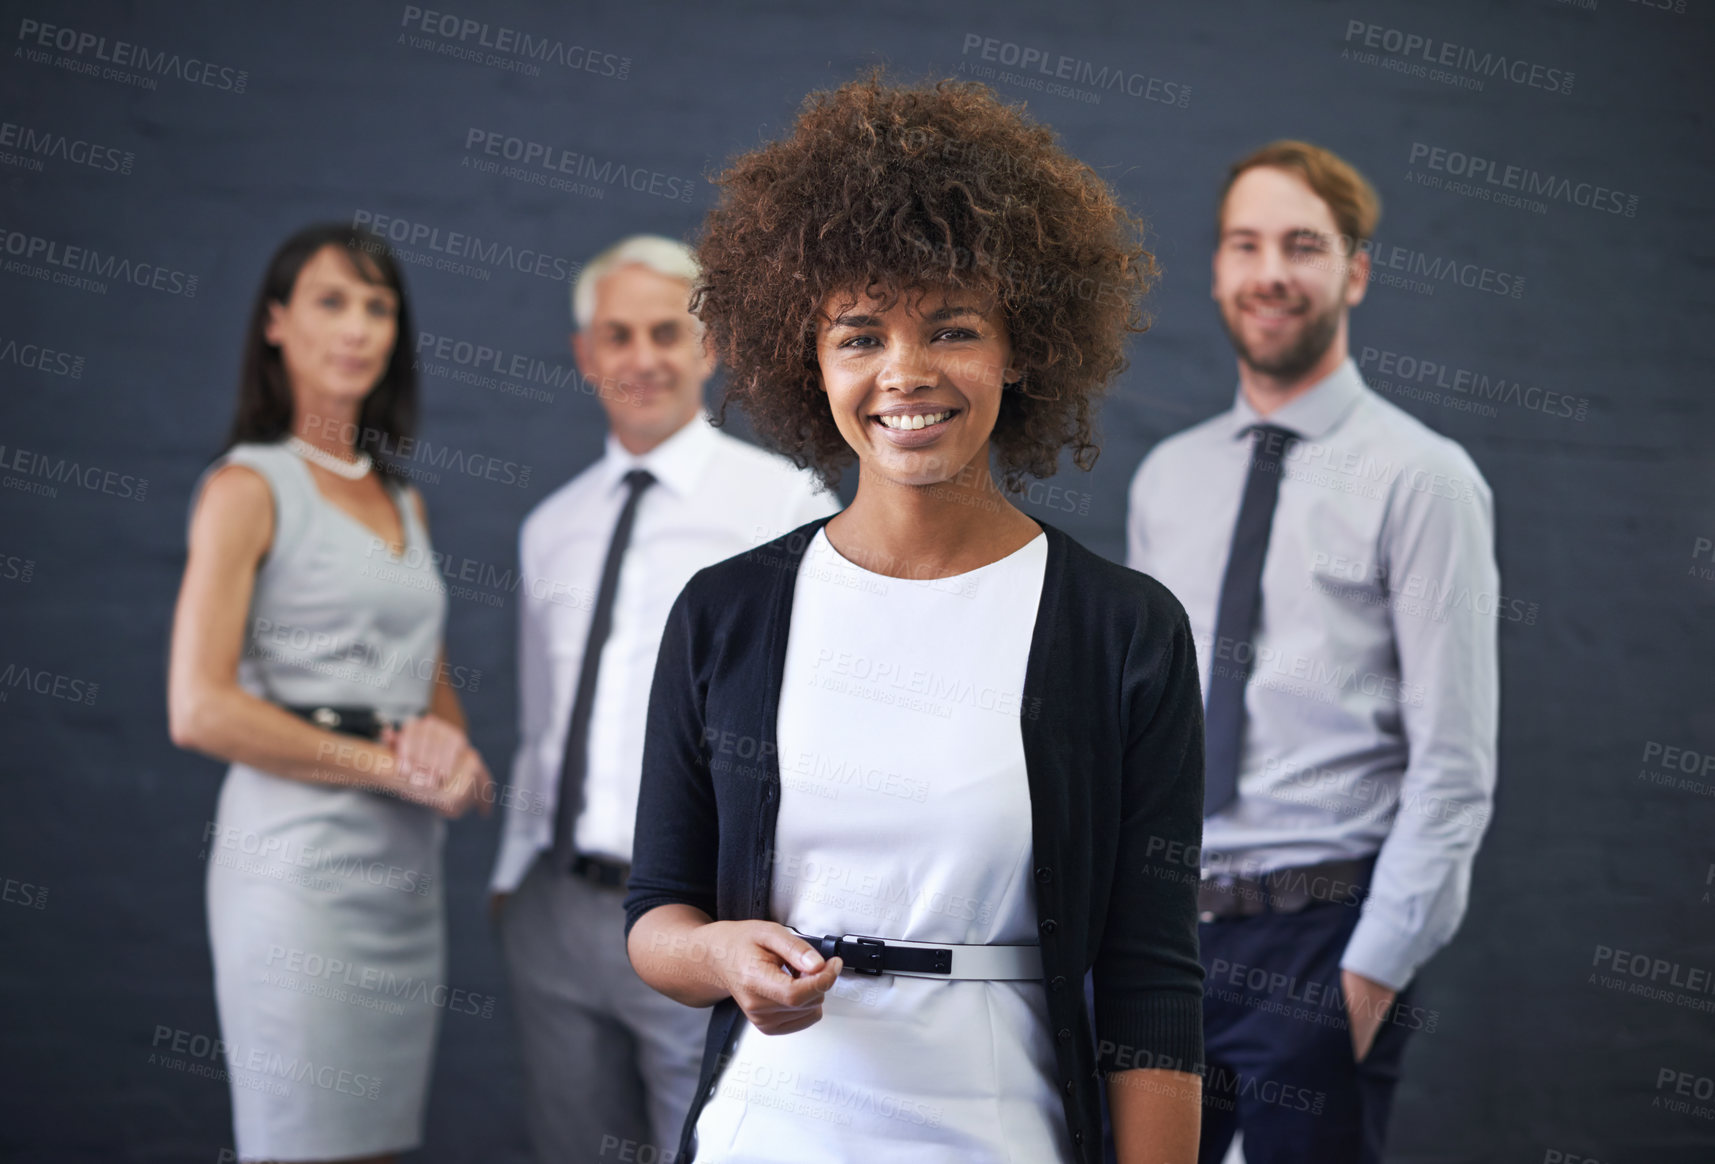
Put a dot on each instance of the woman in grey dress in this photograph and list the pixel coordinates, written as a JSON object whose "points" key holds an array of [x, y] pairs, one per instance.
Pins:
{"points": [[307, 652]]}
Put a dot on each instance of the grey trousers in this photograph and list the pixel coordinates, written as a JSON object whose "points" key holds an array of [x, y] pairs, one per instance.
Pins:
{"points": [[610, 1065]]}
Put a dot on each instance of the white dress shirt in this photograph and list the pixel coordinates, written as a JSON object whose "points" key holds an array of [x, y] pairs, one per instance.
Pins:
{"points": [[714, 496], [1371, 710]]}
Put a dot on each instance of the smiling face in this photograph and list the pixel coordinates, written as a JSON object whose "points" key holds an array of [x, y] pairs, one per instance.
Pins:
{"points": [[336, 332], [1282, 279], [914, 387], [644, 350]]}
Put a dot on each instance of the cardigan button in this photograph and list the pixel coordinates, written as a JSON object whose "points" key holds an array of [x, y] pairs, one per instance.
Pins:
{"points": [[1078, 1138], [1068, 1087], [1048, 925], [1057, 982], [1064, 1034], [1044, 874]]}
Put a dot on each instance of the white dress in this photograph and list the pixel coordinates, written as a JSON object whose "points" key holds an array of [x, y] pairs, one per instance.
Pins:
{"points": [[904, 813], [325, 913]]}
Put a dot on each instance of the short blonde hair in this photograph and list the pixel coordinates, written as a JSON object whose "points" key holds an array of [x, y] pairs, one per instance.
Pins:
{"points": [[1356, 206], [663, 255]]}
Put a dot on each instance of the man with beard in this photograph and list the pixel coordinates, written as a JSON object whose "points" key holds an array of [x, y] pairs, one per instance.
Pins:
{"points": [[1336, 558]]}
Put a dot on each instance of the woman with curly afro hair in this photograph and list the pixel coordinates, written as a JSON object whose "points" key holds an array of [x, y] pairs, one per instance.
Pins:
{"points": [[912, 771]]}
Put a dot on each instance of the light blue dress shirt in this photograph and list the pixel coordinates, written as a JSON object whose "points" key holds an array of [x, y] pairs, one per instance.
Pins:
{"points": [[1372, 705]]}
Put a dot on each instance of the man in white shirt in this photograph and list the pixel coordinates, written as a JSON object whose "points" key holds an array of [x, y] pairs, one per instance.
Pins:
{"points": [[611, 1065], [1336, 559]]}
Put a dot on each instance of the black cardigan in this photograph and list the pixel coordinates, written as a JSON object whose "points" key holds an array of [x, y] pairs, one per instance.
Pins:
{"points": [[1112, 723]]}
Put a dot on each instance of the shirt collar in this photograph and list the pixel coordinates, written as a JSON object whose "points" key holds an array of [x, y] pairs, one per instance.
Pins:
{"points": [[1312, 415], [677, 462]]}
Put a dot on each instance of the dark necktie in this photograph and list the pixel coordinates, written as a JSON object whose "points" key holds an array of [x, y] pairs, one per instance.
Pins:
{"points": [[576, 759], [1236, 619]]}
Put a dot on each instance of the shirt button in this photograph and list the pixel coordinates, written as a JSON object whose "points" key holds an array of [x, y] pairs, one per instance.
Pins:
{"points": [[1044, 874], [1064, 1034], [1057, 982], [1048, 925]]}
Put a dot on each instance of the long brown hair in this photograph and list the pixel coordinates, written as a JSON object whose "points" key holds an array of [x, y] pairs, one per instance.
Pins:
{"points": [[389, 412]]}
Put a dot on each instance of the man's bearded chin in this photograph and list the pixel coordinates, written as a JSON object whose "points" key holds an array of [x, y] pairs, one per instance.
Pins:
{"points": [[1292, 362]]}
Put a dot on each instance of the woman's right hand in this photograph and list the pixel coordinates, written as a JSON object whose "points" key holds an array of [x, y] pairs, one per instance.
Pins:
{"points": [[777, 978]]}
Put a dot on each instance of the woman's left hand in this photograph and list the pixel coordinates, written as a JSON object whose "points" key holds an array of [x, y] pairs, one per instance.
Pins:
{"points": [[428, 748]]}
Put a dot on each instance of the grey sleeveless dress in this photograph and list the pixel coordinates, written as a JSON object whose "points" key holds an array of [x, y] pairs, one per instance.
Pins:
{"points": [[324, 904]]}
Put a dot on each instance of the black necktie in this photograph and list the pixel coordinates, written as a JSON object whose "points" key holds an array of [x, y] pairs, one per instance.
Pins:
{"points": [[1235, 619], [576, 759]]}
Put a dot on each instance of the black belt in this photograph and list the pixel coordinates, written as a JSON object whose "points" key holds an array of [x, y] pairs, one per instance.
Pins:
{"points": [[351, 721], [599, 871], [874, 956], [1223, 896], [863, 954]]}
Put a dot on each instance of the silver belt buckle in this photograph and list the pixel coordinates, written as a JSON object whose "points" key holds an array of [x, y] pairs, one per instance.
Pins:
{"points": [[325, 717]]}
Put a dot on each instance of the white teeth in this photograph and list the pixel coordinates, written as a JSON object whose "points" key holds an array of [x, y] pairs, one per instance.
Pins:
{"points": [[910, 423]]}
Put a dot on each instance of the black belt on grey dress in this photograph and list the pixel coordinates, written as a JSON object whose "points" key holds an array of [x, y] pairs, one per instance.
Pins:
{"points": [[351, 721]]}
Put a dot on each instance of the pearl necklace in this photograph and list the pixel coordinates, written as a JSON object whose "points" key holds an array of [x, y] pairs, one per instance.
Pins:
{"points": [[350, 470]]}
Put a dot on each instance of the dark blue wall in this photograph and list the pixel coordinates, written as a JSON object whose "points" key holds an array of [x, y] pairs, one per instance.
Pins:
{"points": [[1597, 452]]}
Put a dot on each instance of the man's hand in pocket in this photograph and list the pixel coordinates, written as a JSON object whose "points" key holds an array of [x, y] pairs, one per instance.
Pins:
{"points": [[1367, 1002]]}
